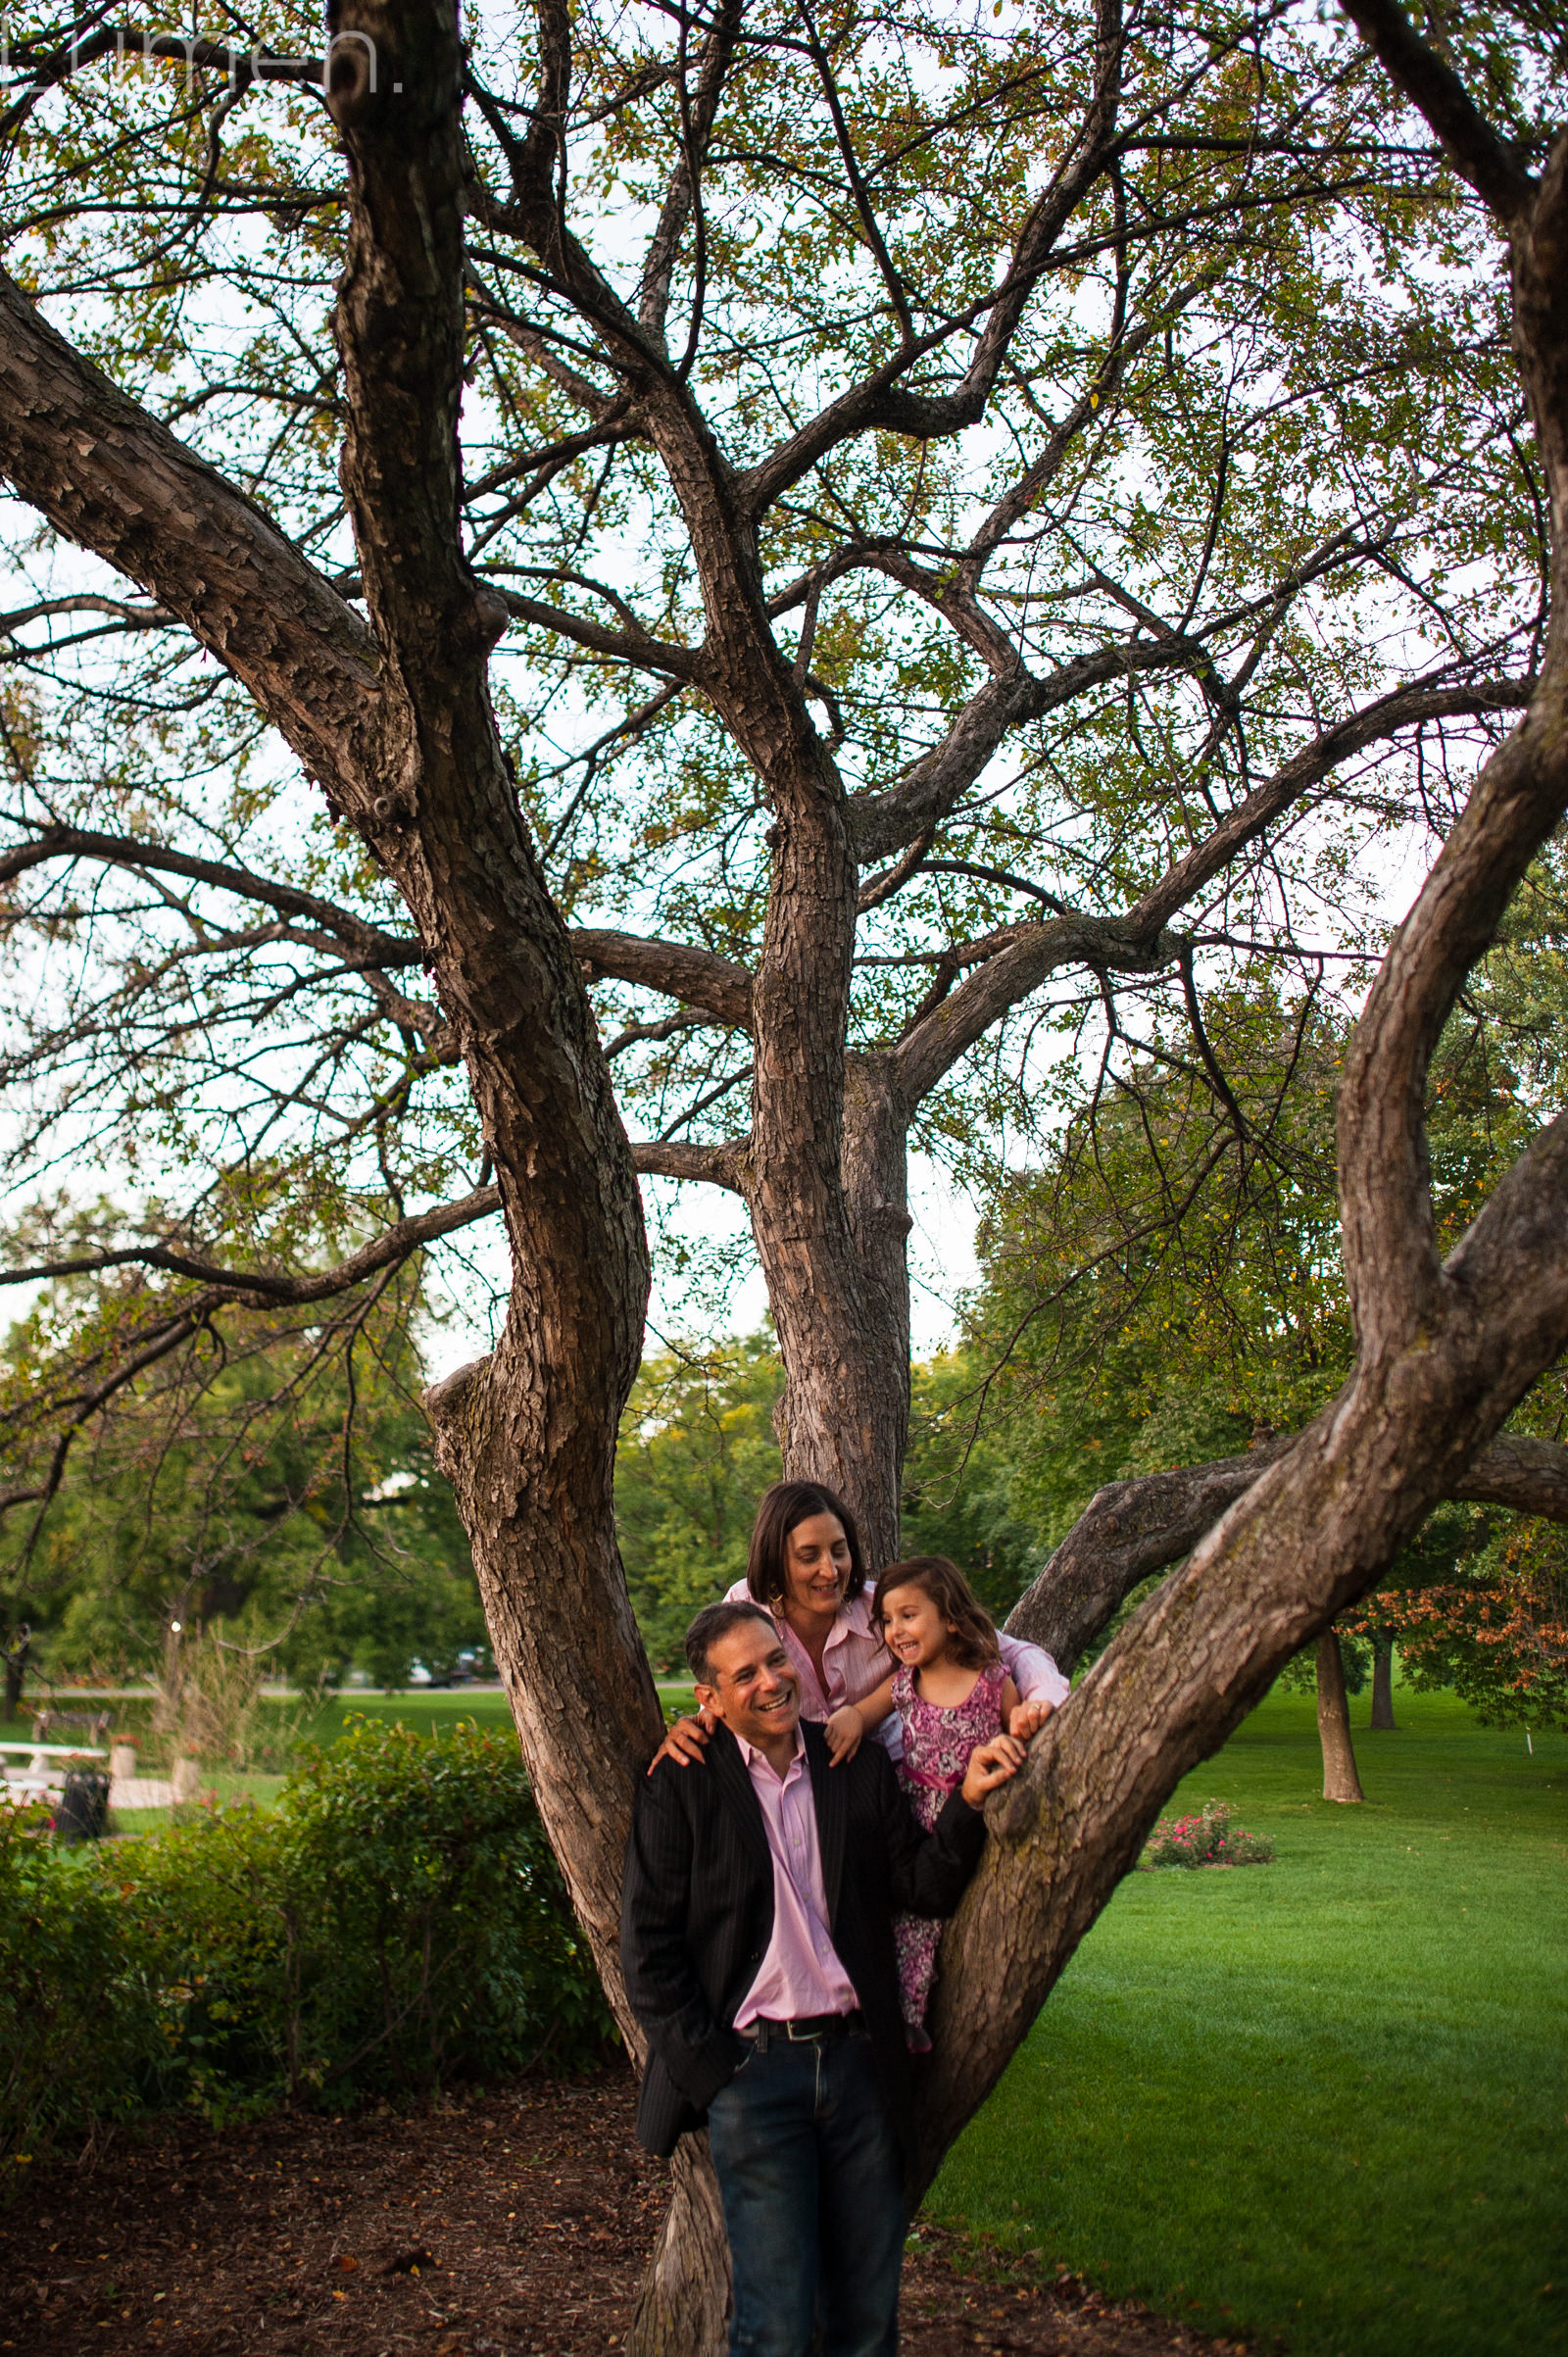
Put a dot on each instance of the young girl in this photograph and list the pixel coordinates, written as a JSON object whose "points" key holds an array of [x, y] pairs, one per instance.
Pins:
{"points": [[953, 1693]]}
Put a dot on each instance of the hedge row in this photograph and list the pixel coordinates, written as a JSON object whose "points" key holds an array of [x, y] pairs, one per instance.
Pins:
{"points": [[397, 1920]]}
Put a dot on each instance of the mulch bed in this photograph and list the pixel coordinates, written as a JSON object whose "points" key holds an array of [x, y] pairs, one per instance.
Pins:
{"points": [[515, 2222]]}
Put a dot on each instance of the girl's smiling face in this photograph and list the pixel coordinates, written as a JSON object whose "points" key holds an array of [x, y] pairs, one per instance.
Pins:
{"points": [[915, 1632], [816, 1565]]}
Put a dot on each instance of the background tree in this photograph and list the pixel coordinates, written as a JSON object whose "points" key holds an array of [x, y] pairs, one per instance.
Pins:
{"points": [[1169, 1285], [697, 1451], [991, 510], [275, 1483]]}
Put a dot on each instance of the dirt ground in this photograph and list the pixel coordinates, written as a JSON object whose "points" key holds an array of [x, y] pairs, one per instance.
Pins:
{"points": [[515, 2223]]}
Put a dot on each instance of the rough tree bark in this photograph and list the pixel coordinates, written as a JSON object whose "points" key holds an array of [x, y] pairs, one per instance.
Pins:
{"points": [[395, 723], [1341, 1779]]}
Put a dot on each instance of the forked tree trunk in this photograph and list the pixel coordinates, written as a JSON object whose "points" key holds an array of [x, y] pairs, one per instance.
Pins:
{"points": [[1383, 1683], [1339, 1779]]}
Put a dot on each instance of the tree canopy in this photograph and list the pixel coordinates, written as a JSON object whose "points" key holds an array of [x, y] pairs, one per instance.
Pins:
{"points": [[757, 548]]}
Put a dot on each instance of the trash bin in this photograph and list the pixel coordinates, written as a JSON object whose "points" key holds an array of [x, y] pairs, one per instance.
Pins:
{"points": [[81, 1812]]}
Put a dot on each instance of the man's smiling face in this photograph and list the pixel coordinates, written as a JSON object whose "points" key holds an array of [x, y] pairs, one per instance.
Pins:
{"points": [[755, 1687]]}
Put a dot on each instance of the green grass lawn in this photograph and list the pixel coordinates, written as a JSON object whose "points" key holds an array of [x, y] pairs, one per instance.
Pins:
{"points": [[1323, 2099]]}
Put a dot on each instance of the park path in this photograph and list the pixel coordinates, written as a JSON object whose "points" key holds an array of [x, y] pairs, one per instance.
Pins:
{"points": [[513, 2223]]}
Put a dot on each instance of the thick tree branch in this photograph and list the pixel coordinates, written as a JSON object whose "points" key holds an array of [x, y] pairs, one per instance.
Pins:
{"points": [[1432, 85], [633, 646], [1391, 1252], [110, 479], [675, 968], [1105, 944], [715, 1165], [1405, 707], [697, 125], [884, 824], [1132, 1529]]}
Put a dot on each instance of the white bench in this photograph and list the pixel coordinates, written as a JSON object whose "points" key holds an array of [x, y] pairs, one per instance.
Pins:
{"points": [[39, 1780]]}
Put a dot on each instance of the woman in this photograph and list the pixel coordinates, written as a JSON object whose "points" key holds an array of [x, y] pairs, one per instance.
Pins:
{"points": [[806, 1568]]}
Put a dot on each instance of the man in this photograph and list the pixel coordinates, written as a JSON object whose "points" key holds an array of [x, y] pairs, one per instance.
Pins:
{"points": [[757, 1938]]}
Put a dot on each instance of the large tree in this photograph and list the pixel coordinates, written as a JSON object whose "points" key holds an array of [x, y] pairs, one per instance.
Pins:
{"points": [[973, 500]]}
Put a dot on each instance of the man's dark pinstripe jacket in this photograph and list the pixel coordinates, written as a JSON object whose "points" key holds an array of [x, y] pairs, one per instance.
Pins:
{"points": [[697, 1912]]}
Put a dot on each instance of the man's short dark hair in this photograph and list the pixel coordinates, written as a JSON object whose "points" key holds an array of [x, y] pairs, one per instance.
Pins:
{"points": [[713, 1622]]}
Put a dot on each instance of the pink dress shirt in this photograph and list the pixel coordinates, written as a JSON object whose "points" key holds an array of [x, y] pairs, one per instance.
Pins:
{"points": [[854, 1660], [800, 1972]]}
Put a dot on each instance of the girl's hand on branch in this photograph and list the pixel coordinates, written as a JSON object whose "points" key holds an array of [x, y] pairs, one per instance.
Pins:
{"points": [[685, 1741], [844, 1731], [991, 1765], [1029, 1718]]}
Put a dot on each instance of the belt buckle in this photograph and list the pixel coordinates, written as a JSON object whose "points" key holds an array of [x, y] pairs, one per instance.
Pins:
{"points": [[799, 2036]]}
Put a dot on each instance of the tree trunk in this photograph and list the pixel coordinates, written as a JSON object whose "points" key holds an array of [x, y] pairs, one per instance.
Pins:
{"points": [[684, 2305], [1339, 1779], [1383, 1683], [839, 1290], [16, 1658]]}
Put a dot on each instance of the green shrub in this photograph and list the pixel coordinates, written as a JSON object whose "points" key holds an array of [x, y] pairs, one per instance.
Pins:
{"points": [[397, 1920], [79, 2042]]}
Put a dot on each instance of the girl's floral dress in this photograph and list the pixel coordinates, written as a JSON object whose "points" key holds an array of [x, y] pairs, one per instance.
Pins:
{"points": [[937, 1745]]}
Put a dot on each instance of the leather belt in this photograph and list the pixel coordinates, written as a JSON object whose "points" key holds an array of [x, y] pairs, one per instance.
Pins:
{"points": [[802, 2028]]}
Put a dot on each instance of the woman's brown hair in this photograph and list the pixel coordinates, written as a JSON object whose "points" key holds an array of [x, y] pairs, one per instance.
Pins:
{"points": [[973, 1641], [780, 1508]]}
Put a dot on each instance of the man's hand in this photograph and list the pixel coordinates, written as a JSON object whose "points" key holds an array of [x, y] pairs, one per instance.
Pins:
{"points": [[992, 1764], [685, 1741], [1029, 1718], [844, 1731]]}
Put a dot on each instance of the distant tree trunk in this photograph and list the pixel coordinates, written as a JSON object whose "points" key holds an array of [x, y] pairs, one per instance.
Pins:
{"points": [[1383, 1682], [18, 1648], [1339, 1779]]}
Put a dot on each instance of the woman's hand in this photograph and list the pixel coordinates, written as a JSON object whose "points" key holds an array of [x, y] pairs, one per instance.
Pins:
{"points": [[991, 1765], [1029, 1718], [844, 1731], [684, 1742]]}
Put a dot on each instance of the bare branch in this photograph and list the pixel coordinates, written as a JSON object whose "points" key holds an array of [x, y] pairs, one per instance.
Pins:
{"points": [[633, 646], [261, 1289], [111, 478], [1140, 941], [881, 402], [1131, 1529], [1406, 708], [155, 858]]}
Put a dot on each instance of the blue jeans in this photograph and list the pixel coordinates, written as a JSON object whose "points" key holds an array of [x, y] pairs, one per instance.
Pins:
{"points": [[812, 2185]]}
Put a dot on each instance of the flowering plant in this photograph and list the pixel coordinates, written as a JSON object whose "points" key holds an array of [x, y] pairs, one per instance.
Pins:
{"points": [[1208, 1840]]}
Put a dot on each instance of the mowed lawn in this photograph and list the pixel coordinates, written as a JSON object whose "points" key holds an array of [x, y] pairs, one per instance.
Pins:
{"points": [[1324, 2100]]}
